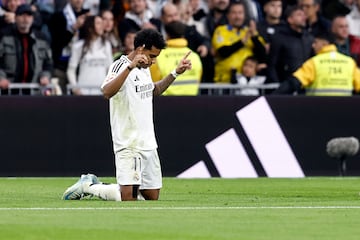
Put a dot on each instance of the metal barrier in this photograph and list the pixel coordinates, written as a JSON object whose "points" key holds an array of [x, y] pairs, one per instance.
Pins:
{"points": [[28, 89], [210, 89], [231, 89], [84, 88]]}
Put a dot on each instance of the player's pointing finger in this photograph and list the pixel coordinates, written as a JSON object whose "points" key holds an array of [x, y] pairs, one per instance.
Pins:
{"points": [[186, 55]]}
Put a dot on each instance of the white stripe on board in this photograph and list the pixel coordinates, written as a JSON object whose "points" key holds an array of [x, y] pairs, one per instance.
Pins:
{"points": [[268, 140], [178, 208], [230, 157]]}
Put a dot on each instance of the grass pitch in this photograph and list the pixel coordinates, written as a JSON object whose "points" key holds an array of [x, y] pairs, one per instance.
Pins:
{"points": [[262, 208]]}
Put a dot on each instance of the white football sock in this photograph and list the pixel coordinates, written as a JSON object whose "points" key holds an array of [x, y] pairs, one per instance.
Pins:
{"points": [[110, 192], [140, 197]]}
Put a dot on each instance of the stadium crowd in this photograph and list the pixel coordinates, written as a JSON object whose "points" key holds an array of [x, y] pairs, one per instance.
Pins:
{"points": [[67, 46]]}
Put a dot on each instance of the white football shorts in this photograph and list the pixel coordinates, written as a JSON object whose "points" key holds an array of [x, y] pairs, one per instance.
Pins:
{"points": [[135, 167]]}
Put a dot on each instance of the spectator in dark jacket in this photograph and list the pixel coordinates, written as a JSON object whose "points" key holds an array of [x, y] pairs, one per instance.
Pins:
{"points": [[216, 16], [196, 42], [25, 57], [315, 21], [64, 28], [291, 47], [272, 20], [345, 42], [333, 8], [137, 17]]}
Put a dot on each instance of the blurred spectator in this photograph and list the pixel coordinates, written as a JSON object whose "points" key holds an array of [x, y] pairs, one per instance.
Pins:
{"points": [[199, 9], [253, 10], [90, 58], [137, 17], [196, 42], [8, 15], [64, 28], [234, 42], [291, 47], [44, 10], [186, 84], [329, 73], [111, 32], [25, 56], [155, 6], [315, 22], [216, 15], [187, 17], [249, 78], [128, 44], [354, 19], [119, 8], [345, 42], [93, 6], [333, 8], [60, 4], [272, 20]]}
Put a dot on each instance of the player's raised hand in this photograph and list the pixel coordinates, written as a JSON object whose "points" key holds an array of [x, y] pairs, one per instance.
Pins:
{"points": [[140, 59], [184, 64]]}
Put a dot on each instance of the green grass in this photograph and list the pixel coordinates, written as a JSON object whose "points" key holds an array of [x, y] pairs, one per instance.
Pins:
{"points": [[211, 209]]}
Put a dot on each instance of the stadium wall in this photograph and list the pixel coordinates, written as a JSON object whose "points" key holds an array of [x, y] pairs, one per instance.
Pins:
{"points": [[205, 136]]}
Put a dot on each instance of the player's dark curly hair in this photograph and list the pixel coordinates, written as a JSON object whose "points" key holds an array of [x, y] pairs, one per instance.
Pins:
{"points": [[149, 37]]}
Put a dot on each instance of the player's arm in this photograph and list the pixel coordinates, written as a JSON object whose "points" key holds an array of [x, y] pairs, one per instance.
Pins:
{"points": [[163, 84], [114, 81]]}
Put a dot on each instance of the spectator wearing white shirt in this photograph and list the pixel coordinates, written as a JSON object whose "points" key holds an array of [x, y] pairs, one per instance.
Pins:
{"points": [[91, 57], [354, 19]]}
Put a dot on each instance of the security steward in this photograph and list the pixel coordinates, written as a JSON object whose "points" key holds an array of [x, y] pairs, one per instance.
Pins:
{"points": [[186, 84], [328, 73]]}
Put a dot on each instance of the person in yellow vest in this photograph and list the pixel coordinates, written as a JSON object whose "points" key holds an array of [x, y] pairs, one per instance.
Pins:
{"points": [[328, 73], [187, 84], [234, 42]]}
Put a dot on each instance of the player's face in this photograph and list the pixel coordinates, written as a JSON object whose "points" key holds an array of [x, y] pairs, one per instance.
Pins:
{"points": [[151, 56]]}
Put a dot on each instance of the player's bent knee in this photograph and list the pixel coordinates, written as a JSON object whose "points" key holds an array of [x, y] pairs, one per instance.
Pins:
{"points": [[129, 192], [151, 194]]}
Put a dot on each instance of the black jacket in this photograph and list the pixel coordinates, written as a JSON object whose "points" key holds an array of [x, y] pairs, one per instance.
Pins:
{"points": [[128, 24], [12, 60], [61, 37], [288, 51]]}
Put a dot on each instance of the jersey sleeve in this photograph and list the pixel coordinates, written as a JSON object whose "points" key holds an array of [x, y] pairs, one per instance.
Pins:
{"points": [[115, 69], [306, 73], [356, 78]]}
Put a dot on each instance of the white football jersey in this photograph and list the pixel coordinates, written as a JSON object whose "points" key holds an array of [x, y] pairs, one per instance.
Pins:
{"points": [[131, 108]]}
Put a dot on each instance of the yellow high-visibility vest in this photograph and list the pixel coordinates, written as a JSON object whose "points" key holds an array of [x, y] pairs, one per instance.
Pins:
{"points": [[186, 84], [333, 76]]}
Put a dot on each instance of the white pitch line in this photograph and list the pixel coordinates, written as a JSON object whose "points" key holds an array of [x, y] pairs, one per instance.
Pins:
{"points": [[176, 208]]}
